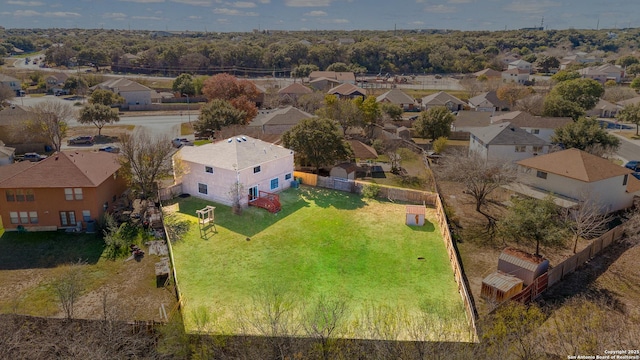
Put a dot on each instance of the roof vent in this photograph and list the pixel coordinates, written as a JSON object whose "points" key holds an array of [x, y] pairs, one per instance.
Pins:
{"points": [[238, 139], [230, 140], [244, 138]]}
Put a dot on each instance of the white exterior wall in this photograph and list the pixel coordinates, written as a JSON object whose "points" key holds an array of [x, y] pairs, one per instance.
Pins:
{"points": [[544, 134], [477, 147], [221, 182], [137, 97], [610, 193]]}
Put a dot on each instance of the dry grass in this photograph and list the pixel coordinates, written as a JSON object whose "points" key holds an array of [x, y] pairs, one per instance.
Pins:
{"points": [[628, 135]]}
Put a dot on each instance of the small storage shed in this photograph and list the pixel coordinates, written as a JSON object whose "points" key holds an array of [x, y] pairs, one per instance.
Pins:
{"points": [[344, 171], [500, 287], [522, 264], [415, 215]]}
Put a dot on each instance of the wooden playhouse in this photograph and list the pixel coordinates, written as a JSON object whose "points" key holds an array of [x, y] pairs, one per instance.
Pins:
{"points": [[416, 215]]}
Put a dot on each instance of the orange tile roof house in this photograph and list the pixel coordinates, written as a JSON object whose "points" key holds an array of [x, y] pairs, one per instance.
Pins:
{"points": [[61, 191], [576, 174]]}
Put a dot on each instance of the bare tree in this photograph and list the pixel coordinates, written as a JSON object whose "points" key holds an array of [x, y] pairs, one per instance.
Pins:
{"points": [[145, 160], [479, 177], [588, 220], [532, 104], [324, 322], [6, 94], [50, 119], [69, 288]]}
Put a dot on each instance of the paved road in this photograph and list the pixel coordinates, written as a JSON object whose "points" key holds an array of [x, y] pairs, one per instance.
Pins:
{"points": [[629, 149]]}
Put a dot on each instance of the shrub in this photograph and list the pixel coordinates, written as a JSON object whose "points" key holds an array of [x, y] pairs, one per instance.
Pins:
{"points": [[439, 144], [370, 190]]}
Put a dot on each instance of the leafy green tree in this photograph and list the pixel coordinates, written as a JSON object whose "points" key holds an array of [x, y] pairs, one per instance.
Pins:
{"points": [[338, 67], [98, 115], [434, 123], [625, 61], [317, 142], [633, 69], [217, 114], [630, 114], [303, 71], [546, 63], [345, 112], [74, 84], [105, 97], [183, 84], [535, 221], [584, 92], [369, 108], [393, 111], [556, 106], [635, 83], [93, 57], [564, 75], [586, 134]]}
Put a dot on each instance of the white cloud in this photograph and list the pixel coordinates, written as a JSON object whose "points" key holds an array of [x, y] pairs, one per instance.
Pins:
{"points": [[439, 9], [417, 23], [194, 2], [25, 3], [244, 4], [147, 18], [223, 21], [59, 14], [114, 15], [264, 1], [195, 17], [339, 21], [307, 3], [530, 6], [460, 1], [233, 12], [144, 1], [315, 13]]}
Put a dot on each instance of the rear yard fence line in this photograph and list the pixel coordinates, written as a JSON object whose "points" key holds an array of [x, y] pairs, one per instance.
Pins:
{"points": [[170, 192], [173, 262]]}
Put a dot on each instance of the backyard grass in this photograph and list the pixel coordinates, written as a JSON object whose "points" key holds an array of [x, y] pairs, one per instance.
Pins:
{"points": [[323, 244]]}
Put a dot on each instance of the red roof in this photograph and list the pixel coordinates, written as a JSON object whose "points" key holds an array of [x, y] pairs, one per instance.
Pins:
{"points": [[64, 169]]}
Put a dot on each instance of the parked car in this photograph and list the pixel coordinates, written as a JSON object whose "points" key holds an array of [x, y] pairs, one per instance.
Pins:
{"points": [[110, 149], [179, 142], [30, 156], [633, 165], [81, 140], [636, 175]]}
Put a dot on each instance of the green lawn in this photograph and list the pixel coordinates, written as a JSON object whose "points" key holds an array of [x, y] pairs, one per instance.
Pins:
{"points": [[326, 244]]}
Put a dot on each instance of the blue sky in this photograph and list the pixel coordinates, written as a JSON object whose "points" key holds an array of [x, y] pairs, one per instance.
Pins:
{"points": [[245, 15]]}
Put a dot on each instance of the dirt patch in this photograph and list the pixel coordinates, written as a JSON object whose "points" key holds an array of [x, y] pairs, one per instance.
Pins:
{"points": [[107, 135]]}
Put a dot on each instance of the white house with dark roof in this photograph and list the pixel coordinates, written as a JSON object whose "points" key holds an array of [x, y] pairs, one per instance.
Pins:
{"points": [[520, 65], [505, 142], [278, 121], [488, 101], [543, 127], [213, 170], [516, 76], [576, 174], [132, 92], [398, 97], [603, 72]]}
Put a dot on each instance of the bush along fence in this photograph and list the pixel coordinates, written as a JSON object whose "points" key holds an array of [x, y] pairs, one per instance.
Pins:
{"points": [[560, 271], [411, 196]]}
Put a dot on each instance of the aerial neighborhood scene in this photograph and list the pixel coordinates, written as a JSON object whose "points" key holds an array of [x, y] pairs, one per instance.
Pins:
{"points": [[319, 179]]}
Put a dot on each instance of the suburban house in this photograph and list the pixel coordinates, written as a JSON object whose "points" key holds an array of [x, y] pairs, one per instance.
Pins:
{"points": [[604, 109], [488, 101], [341, 77], [540, 126], [323, 84], [579, 58], [61, 191], [632, 101], [278, 121], [576, 174], [398, 97], [238, 167], [468, 120], [520, 65], [504, 142], [132, 92], [603, 73], [362, 151], [347, 91], [292, 92], [7, 154], [441, 98], [488, 73], [55, 80], [11, 82], [515, 76]]}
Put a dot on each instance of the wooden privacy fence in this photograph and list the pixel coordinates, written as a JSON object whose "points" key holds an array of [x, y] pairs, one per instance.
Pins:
{"points": [[173, 262], [455, 264], [534, 290], [170, 192], [308, 179]]}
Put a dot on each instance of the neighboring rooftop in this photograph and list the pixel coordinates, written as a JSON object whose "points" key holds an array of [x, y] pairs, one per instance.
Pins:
{"points": [[524, 119], [506, 134]]}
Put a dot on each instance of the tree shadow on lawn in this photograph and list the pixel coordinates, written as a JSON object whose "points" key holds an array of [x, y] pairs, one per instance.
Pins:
{"points": [[252, 221], [49, 249], [325, 198]]}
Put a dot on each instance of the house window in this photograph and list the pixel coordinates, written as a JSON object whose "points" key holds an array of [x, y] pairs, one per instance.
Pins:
{"points": [[535, 131], [78, 193], [287, 176], [29, 195], [537, 149], [13, 215], [521, 148], [202, 188], [274, 184], [541, 174], [624, 180], [208, 169], [33, 217], [11, 195], [19, 195], [24, 217], [256, 169], [86, 215], [68, 194], [67, 218]]}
